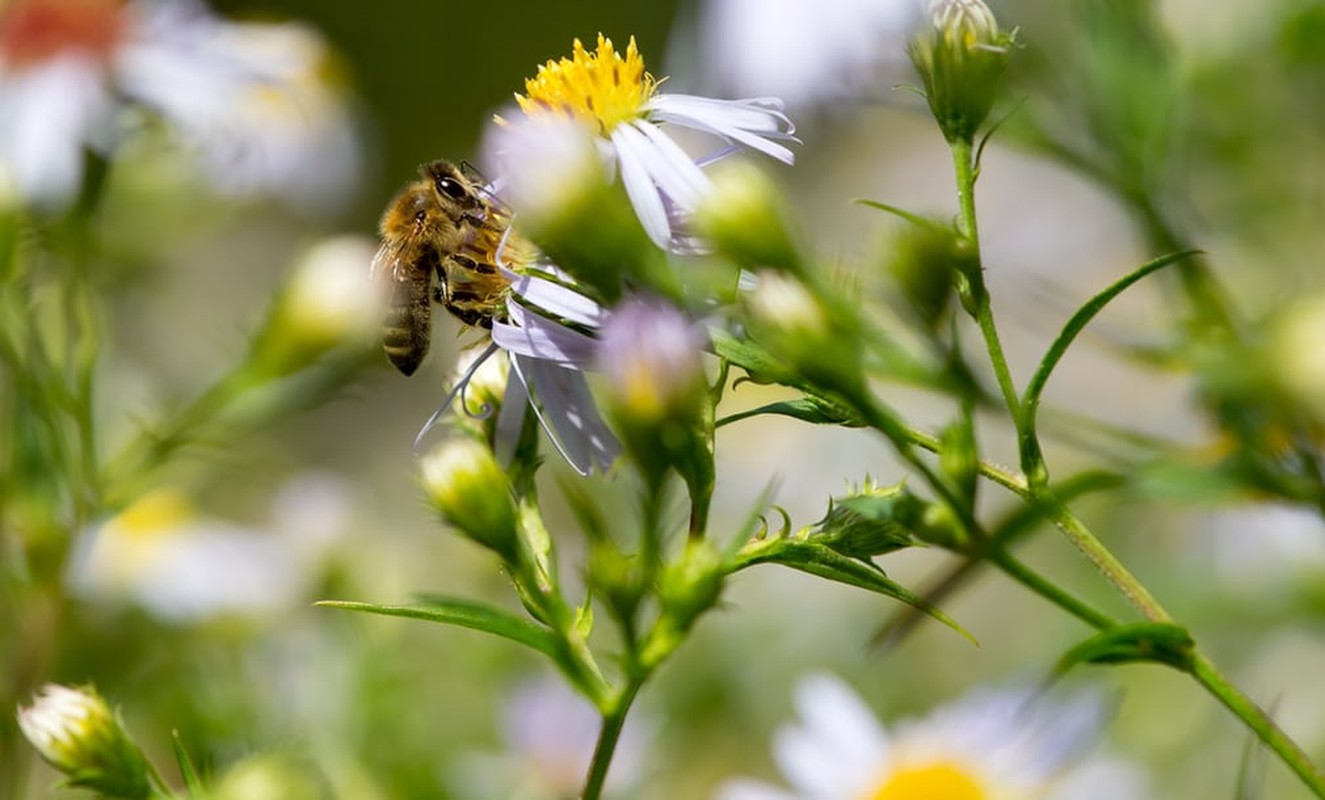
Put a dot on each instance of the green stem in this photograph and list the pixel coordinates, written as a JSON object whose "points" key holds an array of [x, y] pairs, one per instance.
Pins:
{"points": [[608, 737], [976, 296], [1104, 560], [1255, 718], [1049, 591]]}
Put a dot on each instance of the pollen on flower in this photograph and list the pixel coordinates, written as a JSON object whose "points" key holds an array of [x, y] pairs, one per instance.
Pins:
{"points": [[33, 31], [930, 781], [153, 514], [599, 87]]}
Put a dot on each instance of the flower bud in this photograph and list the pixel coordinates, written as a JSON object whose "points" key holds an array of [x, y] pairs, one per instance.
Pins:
{"points": [[796, 327], [650, 353], [77, 733], [565, 201], [744, 220], [466, 486], [961, 57], [328, 301]]}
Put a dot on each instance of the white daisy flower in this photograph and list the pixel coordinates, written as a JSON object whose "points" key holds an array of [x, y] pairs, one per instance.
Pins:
{"points": [[989, 745], [807, 53], [163, 556], [618, 102], [248, 99]]}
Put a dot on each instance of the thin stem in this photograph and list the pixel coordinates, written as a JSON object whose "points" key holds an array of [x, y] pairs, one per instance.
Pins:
{"points": [[976, 299], [1049, 591], [1104, 560], [1255, 718], [608, 737]]}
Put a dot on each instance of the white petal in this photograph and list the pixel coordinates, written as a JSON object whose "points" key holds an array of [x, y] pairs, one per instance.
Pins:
{"points": [[633, 151], [839, 748], [536, 336], [556, 299], [567, 411], [673, 170], [48, 114], [755, 123]]}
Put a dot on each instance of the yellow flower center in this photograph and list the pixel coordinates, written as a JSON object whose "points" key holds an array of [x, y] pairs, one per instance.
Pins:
{"points": [[941, 781], [152, 515], [601, 88]]}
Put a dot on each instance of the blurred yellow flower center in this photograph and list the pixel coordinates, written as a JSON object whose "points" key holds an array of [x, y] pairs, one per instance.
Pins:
{"points": [[601, 88], [941, 781], [153, 514]]}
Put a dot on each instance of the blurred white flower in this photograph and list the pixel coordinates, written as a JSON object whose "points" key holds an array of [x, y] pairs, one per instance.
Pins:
{"points": [[807, 52], [330, 298], [250, 100], [549, 733], [161, 555], [616, 101], [989, 745]]}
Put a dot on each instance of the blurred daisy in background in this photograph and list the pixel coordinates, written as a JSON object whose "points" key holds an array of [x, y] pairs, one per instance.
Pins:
{"points": [[988, 745], [618, 106], [549, 733], [179, 566], [251, 102], [806, 53]]}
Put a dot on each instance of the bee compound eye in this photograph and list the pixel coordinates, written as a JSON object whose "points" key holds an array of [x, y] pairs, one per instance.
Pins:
{"points": [[451, 188]]}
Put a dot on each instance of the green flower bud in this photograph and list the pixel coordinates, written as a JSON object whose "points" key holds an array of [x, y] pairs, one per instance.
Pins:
{"points": [[650, 353], [793, 325], [78, 734], [744, 219], [468, 489], [328, 301], [872, 522], [687, 588], [961, 57]]}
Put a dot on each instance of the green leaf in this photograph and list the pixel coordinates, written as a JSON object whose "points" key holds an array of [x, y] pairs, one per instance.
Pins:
{"points": [[1030, 403], [914, 219], [1159, 642], [810, 408], [187, 770], [758, 363], [818, 559], [465, 614]]}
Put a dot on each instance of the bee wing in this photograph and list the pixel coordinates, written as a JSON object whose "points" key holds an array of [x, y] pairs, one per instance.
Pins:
{"points": [[389, 264]]}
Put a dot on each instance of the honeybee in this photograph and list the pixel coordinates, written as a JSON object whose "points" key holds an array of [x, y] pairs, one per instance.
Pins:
{"points": [[443, 224]]}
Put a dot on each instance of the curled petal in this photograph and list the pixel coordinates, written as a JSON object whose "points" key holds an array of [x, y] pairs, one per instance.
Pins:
{"points": [[757, 123], [556, 299], [566, 410], [533, 335]]}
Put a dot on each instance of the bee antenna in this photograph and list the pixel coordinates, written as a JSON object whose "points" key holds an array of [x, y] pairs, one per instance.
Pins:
{"points": [[458, 389]]}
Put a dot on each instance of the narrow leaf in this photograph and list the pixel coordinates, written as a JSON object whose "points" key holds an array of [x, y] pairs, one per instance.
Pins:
{"points": [[1158, 642], [914, 219], [465, 614], [1078, 322], [187, 770], [811, 409], [817, 559]]}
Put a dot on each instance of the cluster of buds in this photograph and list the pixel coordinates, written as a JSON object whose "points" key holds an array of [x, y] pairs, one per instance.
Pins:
{"points": [[961, 56]]}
